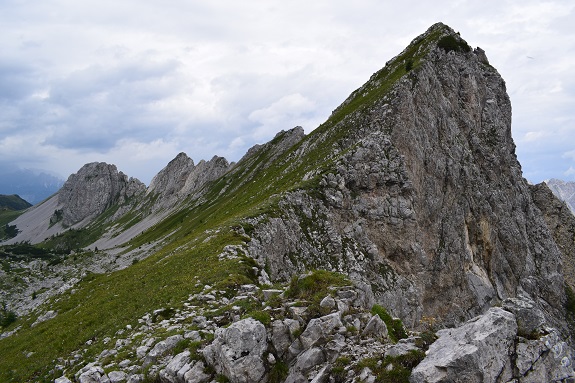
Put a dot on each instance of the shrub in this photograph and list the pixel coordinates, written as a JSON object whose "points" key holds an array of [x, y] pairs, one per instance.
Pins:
{"points": [[315, 285], [395, 369], [450, 43], [409, 65], [262, 316], [7, 317], [395, 328]]}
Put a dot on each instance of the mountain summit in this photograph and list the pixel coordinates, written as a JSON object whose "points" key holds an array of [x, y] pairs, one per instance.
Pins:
{"points": [[404, 213]]}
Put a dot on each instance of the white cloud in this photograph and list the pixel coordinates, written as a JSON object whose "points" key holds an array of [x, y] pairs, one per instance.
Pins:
{"points": [[284, 113], [107, 79]]}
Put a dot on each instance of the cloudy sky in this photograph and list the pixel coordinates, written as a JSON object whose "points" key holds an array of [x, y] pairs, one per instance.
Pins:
{"points": [[136, 82]]}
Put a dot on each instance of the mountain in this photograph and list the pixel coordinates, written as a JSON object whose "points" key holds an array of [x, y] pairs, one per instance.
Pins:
{"points": [[32, 185], [396, 242], [13, 202], [565, 191]]}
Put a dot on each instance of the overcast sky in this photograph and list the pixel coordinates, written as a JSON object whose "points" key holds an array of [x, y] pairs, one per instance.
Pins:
{"points": [[134, 83]]}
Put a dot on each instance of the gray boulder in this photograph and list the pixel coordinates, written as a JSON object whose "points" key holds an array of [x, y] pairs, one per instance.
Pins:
{"points": [[375, 328], [197, 374], [170, 373], [478, 351], [93, 374], [319, 329], [530, 319], [547, 359], [117, 376], [161, 348], [237, 351]]}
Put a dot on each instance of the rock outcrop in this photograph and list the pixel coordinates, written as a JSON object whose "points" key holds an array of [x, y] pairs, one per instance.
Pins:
{"points": [[345, 342], [423, 197], [93, 189], [181, 179], [492, 348]]}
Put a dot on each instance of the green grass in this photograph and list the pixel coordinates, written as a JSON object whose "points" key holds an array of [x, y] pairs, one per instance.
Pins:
{"points": [[395, 328], [13, 202], [392, 369], [102, 304]]}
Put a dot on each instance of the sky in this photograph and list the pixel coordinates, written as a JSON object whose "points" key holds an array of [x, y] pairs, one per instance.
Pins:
{"points": [[133, 83]]}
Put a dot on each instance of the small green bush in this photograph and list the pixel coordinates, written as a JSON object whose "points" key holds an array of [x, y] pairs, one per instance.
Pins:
{"points": [[450, 43], [315, 284], [338, 371], [314, 287], [262, 316], [7, 317], [395, 328], [409, 65], [395, 369]]}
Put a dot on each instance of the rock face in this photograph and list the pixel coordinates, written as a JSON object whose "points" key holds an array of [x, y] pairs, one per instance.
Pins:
{"points": [[565, 191], [93, 189], [424, 197], [181, 179], [562, 225]]}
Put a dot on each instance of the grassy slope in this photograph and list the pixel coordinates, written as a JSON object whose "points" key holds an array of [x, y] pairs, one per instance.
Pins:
{"points": [[102, 304], [13, 202]]}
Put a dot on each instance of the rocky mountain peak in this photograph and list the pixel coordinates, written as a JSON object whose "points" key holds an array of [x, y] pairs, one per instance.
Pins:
{"points": [[421, 180], [90, 191], [181, 179], [173, 177]]}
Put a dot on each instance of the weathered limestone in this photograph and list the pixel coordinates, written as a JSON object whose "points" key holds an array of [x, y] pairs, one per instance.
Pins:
{"points": [[478, 351], [93, 189], [237, 351]]}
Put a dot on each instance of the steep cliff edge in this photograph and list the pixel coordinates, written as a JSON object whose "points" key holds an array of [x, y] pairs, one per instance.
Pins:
{"points": [[420, 193]]}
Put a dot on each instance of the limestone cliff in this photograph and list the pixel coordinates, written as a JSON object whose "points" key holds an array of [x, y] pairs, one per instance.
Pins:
{"points": [[561, 223], [181, 179], [421, 194], [93, 189]]}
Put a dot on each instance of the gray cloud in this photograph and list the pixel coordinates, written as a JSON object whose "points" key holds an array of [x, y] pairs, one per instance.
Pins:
{"points": [[134, 83]]}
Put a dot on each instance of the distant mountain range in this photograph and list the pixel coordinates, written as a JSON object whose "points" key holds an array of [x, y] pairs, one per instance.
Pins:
{"points": [[563, 190], [32, 185]]}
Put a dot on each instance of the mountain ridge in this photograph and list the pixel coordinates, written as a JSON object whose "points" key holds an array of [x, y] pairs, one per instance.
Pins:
{"points": [[411, 189]]}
